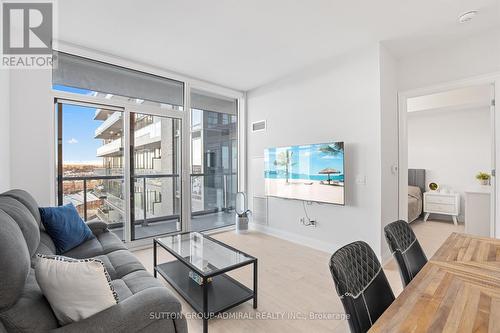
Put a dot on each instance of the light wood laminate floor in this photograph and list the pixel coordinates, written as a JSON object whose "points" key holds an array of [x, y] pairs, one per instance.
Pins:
{"points": [[294, 283]]}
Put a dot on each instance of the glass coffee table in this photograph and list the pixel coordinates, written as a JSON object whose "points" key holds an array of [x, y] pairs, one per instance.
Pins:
{"points": [[198, 274]]}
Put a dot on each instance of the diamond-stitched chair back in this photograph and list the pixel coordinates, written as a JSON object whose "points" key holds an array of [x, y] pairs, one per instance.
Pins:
{"points": [[361, 284], [406, 249]]}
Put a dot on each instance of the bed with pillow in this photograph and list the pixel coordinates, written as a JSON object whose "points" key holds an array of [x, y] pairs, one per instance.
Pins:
{"points": [[416, 188]]}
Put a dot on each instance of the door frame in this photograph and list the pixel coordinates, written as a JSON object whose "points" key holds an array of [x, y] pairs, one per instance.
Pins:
{"points": [[241, 130], [494, 80], [61, 98]]}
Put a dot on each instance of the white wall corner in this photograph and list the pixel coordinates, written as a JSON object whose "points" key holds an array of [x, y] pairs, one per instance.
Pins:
{"points": [[5, 173], [389, 144], [32, 136]]}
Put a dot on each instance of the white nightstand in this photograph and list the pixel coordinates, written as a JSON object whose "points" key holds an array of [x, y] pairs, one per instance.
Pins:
{"points": [[442, 203]]}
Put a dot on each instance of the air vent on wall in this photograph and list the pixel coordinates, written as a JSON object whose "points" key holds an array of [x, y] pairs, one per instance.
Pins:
{"points": [[259, 211], [259, 126]]}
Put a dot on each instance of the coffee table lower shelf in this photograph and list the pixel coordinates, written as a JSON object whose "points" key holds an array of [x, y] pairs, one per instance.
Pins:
{"points": [[224, 292]]}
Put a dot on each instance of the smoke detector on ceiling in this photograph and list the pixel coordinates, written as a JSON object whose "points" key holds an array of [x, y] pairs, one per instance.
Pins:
{"points": [[467, 16]]}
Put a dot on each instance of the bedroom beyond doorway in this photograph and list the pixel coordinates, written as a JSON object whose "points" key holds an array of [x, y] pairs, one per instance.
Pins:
{"points": [[449, 144]]}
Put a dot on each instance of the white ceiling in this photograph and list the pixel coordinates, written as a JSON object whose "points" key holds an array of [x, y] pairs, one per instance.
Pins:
{"points": [[244, 44]]}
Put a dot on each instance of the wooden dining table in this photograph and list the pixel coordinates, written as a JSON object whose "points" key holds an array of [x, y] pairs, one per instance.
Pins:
{"points": [[458, 290]]}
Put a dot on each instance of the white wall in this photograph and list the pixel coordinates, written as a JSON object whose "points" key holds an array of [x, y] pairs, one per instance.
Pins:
{"points": [[472, 56], [32, 138], [453, 146], [470, 96], [335, 100], [4, 130], [388, 144], [466, 58]]}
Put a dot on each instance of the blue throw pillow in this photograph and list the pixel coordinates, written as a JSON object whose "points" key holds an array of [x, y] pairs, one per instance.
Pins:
{"points": [[65, 227]]}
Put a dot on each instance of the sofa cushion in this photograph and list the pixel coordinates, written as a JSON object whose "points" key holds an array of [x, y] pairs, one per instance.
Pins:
{"points": [[103, 243], [31, 312], [149, 311], [65, 227], [14, 261], [46, 246], [133, 283], [121, 289], [97, 226], [24, 219], [120, 263], [27, 200]]}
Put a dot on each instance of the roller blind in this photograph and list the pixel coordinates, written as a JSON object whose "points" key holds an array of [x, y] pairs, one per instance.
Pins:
{"points": [[211, 102], [97, 76]]}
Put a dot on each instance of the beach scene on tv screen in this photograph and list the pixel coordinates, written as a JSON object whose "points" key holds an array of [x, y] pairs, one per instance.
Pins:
{"points": [[308, 172]]}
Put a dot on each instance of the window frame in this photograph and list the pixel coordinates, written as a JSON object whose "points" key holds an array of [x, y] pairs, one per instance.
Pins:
{"points": [[185, 152]]}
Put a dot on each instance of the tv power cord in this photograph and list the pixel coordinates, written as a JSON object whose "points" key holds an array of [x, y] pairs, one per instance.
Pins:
{"points": [[306, 220]]}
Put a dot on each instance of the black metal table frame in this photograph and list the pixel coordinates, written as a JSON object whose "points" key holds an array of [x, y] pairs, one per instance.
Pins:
{"points": [[205, 314]]}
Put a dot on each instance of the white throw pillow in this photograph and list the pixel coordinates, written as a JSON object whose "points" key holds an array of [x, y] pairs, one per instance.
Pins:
{"points": [[75, 288]]}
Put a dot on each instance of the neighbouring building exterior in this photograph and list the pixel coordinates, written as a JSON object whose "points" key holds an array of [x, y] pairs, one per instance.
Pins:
{"points": [[214, 143], [155, 169], [155, 143], [156, 164]]}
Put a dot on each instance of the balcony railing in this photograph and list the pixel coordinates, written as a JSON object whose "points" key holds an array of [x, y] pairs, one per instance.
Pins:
{"points": [[85, 180], [115, 201], [218, 192]]}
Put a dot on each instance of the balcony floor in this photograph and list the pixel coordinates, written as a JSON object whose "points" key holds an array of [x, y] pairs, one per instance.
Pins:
{"points": [[199, 223]]}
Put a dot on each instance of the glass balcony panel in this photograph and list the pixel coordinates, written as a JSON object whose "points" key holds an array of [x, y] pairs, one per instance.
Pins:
{"points": [[73, 194], [157, 198], [156, 206], [214, 160], [212, 201], [92, 165]]}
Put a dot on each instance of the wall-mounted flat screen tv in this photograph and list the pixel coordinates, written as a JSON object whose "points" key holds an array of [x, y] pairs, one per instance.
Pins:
{"points": [[308, 172]]}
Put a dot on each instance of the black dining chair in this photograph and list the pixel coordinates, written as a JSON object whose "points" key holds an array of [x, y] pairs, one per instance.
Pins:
{"points": [[361, 285], [406, 249]]}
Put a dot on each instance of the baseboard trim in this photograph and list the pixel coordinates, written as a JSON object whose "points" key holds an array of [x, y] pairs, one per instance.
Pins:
{"points": [[294, 238]]}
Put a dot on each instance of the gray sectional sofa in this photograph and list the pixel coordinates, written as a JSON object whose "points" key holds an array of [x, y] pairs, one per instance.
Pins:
{"points": [[145, 305]]}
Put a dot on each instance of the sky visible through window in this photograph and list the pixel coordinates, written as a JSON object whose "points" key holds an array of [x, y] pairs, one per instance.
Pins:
{"points": [[79, 145]]}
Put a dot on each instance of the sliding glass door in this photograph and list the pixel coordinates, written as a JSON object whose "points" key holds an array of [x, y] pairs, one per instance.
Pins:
{"points": [[91, 162], [214, 157], [91, 167], [155, 175]]}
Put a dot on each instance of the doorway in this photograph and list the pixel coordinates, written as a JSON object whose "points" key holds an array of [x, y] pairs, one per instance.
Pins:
{"points": [[447, 159]]}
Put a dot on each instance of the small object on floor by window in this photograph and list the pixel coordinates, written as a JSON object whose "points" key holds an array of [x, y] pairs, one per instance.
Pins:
{"points": [[242, 213]]}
